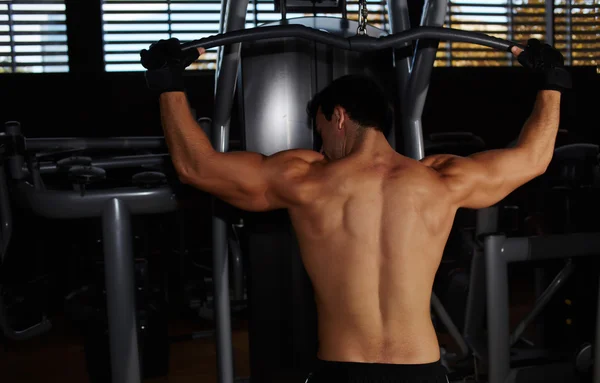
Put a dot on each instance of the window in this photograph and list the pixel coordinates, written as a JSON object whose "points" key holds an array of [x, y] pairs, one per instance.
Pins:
{"points": [[577, 31], [33, 37], [132, 25], [574, 29]]}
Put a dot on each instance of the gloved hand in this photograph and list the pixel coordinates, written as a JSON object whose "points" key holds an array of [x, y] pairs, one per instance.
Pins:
{"points": [[165, 62], [546, 63]]}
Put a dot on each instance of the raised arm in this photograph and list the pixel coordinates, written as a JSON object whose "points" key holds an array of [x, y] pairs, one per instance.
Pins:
{"points": [[485, 178], [249, 181]]}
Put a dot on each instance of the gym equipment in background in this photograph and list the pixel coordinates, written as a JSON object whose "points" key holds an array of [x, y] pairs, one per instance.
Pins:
{"points": [[146, 193], [71, 178], [502, 351]]}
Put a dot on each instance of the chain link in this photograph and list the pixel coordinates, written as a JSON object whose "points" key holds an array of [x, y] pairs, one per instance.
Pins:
{"points": [[363, 14]]}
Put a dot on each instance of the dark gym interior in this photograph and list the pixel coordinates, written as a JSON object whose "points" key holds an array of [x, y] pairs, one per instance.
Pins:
{"points": [[53, 268]]}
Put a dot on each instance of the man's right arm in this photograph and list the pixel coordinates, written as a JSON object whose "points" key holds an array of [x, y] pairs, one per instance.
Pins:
{"points": [[483, 179]]}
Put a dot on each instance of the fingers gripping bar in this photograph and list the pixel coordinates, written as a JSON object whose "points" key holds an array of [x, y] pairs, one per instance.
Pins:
{"points": [[359, 43]]}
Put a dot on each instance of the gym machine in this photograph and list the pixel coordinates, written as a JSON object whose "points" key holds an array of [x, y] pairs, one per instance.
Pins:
{"points": [[147, 193], [499, 251], [276, 72], [572, 165], [58, 178], [6, 233]]}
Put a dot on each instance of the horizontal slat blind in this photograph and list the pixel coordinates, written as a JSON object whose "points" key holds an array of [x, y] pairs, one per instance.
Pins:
{"points": [[132, 25], [33, 36], [575, 29]]}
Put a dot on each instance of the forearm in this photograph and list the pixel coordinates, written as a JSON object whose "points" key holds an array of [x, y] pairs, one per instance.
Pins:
{"points": [[187, 142], [538, 136]]}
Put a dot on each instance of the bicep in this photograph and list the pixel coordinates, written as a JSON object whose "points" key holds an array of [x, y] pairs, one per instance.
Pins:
{"points": [[484, 179], [252, 181]]}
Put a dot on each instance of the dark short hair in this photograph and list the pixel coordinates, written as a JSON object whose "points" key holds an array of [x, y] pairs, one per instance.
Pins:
{"points": [[361, 96]]}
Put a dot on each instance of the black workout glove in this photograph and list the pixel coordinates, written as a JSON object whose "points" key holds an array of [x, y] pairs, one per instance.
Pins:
{"points": [[547, 64], [165, 62]]}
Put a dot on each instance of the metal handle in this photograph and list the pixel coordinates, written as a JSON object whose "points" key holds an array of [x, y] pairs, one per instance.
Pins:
{"points": [[355, 43]]}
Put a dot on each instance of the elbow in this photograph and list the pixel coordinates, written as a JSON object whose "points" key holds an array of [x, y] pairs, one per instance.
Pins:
{"points": [[536, 162], [184, 178], [536, 170], [541, 165], [185, 175], [189, 169], [541, 169]]}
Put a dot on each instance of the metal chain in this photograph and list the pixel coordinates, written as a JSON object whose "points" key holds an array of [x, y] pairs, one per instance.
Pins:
{"points": [[363, 14]]}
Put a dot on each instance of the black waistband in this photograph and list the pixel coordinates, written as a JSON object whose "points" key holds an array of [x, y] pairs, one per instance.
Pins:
{"points": [[356, 371]]}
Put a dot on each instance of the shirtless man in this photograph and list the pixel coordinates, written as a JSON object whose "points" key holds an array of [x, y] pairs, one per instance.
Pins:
{"points": [[372, 224]]}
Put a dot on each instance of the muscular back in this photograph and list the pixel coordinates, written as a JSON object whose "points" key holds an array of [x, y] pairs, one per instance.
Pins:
{"points": [[371, 243]]}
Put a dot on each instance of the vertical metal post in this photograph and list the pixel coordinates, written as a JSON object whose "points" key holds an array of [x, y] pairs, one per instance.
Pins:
{"points": [[16, 160], [283, 9], [120, 292], [497, 309], [169, 14], [509, 33], [550, 22], [237, 269], [45, 324], [486, 221], [5, 215], [225, 368], [224, 4], [225, 84], [597, 343], [434, 13], [11, 36], [399, 22], [475, 308]]}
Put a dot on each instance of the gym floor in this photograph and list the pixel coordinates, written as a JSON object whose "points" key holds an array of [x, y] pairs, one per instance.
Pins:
{"points": [[59, 354]]}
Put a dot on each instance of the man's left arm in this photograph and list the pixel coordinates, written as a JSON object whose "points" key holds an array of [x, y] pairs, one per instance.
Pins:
{"points": [[249, 181]]}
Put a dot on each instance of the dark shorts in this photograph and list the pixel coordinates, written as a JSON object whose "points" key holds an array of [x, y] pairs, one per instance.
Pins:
{"points": [[351, 372]]}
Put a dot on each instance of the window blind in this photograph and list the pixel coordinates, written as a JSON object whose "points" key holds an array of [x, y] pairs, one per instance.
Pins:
{"points": [[577, 31], [33, 36], [572, 26], [132, 25]]}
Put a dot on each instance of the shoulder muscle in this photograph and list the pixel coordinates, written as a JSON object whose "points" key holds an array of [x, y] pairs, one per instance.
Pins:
{"points": [[294, 175]]}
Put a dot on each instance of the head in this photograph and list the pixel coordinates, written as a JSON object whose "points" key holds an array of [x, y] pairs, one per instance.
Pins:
{"points": [[345, 110]]}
